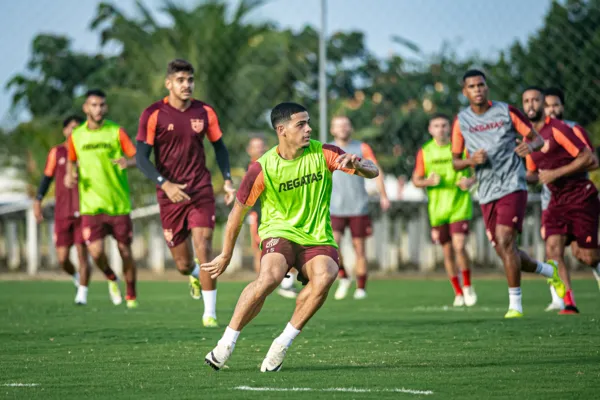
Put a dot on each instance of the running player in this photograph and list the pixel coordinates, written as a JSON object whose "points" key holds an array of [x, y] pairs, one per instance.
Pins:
{"points": [[450, 206], [99, 147], [67, 222], [293, 181], [175, 127], [350, 206], [489, 131], [572, 213]]}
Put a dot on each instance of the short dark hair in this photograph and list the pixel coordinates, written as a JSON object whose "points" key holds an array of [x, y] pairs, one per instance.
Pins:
{"points": [[283, 112], [72, 118], [179, 65], [438, 116], [473, 72], [554, 91], [95, 92], [534, 87]]}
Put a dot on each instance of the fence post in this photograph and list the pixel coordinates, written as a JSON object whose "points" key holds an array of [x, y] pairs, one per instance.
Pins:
{"points": [[51, 257], [156, 250], [237, 258], [13, 253], [33, 252]]}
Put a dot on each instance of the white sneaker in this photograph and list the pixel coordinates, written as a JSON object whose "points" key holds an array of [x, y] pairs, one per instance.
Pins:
{"points": [[287, 293], [81, 297], [76, 279], [218, 356], [115, 292], [470, 296], [555, 306], [274, 359], [360, 294], [342, 289], [459, 301]]}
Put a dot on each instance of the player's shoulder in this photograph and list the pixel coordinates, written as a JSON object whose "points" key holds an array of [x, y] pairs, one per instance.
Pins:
{"points": [[157, 105], [557, 123], [427, 144], [201, 104]]}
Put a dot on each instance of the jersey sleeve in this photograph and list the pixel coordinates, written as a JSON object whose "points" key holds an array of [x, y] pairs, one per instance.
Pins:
{"points": [[50, 167], [567, 139], [367, 152], [147, 127], [529, 164], [582, 134], [458, 141], [252, 185], [72, 154], [520, 123], [126, 144], [419, 170], [214, 130], [331, 153]]}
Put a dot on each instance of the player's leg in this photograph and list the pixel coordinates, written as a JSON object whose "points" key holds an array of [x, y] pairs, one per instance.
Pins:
{"points": [[360, 229], [83, 262], [441, 235], [458, 233], [339, 226], [555, 250], [63, 240], [202, 239], [122, 230], [585, 220]]}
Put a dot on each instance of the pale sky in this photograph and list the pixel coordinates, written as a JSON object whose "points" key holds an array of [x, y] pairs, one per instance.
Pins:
{"points": [[484, 27]]}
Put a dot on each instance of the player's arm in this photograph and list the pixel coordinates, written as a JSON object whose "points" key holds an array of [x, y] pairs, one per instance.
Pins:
{"points": [[250, 190], [368, 154], [532, 176], [128, 149], [418, 175], [47, 178], [215, 135], [338, 159], [71, 168], [458, 148], [533, 141]]}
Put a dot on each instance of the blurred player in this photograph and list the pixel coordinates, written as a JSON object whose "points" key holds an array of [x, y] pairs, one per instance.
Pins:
{"points": [[293, 181], [175, 127], [449, 205], [255, 149], [489, 131], [571, 215], [99, 147], [350, 206], [67, 222]]}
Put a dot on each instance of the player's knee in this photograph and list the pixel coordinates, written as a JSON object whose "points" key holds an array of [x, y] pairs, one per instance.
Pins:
{"points": [[553, 251], [504, 243], [324, 277], [184, 266], [124, 250], [458, 245], [589, 258]]}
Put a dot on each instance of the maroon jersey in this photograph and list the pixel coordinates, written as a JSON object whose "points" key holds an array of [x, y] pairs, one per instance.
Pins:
{"points": [[561, 147], [178, 140], [67, 200]]}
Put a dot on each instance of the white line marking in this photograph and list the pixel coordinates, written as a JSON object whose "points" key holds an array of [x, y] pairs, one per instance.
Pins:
{"points": [[350, 390], [21, 384], [456, 309]]}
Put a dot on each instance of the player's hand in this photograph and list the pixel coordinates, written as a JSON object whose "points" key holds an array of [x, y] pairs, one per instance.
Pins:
{"points": [[523, 149], [384, 203], [175, 192], [69, 180], [348, 160], [229, 192], [547, 176], [37, 211], [433, 179], [465, 183], [217, 266], [479, 157], [121, 162]]}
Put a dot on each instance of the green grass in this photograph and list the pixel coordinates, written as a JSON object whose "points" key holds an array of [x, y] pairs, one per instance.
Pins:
{"points": [[399, 337]]}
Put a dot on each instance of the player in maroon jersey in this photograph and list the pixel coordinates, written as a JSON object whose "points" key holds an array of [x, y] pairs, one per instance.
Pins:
{"points": [[175, 128]]}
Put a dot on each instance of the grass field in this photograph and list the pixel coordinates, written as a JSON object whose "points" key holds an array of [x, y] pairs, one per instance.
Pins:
{"points": [[401, 337]]}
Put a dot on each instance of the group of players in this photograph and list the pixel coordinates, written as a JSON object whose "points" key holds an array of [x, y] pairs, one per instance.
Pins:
{"points": [[305, 207]]}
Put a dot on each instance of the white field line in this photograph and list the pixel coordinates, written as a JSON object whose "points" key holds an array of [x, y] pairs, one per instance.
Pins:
{"points": [[348, 390], [456, 309], [20, 384]]}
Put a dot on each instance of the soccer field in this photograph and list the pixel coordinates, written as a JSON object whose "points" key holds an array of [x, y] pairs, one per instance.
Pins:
{"points": [[401, 342]]}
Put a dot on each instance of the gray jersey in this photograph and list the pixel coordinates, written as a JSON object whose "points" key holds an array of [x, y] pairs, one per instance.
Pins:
{"points": [[496, 132], [349, 197]]}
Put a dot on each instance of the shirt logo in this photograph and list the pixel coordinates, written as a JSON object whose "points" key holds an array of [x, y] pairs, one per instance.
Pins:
{"points": [[170, 127], [298, 182], [197, 125], [486, 127], [61, 161], [271, 243]]}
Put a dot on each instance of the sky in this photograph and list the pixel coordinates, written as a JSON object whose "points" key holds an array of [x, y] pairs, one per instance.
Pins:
{"points": [[469, 26]]}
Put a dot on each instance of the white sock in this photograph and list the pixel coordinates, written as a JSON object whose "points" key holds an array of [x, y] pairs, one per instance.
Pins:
{"points": [[288, 335], [196, 272], [229, 337], [210, 303], [82, 291], [288, 283], [514, 298], [544, 269], [555, 298]]}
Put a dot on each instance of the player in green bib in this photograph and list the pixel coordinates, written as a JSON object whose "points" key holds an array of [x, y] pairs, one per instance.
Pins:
{"points": [[449, 204], [293, 182], [101, 149]]}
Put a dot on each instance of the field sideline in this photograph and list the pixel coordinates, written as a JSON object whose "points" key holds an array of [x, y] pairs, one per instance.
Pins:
{"points": [[401, 342]]}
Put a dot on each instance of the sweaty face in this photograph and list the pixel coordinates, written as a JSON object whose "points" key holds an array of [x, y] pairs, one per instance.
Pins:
{"points": [[67, 130], [476, 90], [439, 128], [554, 107], [95, 108], [181, 85], [341, 128], [296, 131], [256, 148], [533, 105]]}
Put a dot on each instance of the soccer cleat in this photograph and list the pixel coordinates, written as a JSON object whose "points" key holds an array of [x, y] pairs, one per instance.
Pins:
{"points": [[274, 359], [342, 290], [360, 294], [569, 310], [210, 322], [80, 298], [287, 293], [115, 292], [132, 303], [218, 356], [459, 301], [597, 277], [195, 288], [470, 296], [513, 314], [554, 306], [555, 281]]}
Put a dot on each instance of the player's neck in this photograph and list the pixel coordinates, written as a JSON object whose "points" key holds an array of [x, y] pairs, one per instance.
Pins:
{"points": [[480, 108], [538, 125], [289, 153], [441, 141], [179, 104], [93, 125]]}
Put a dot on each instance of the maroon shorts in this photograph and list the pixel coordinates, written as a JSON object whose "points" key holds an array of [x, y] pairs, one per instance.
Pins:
{"points": [[68, 231], [297, 255], [178, 219], [360, 226], [577, 222], [442, 234], [508, 211], [97, 227]]}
